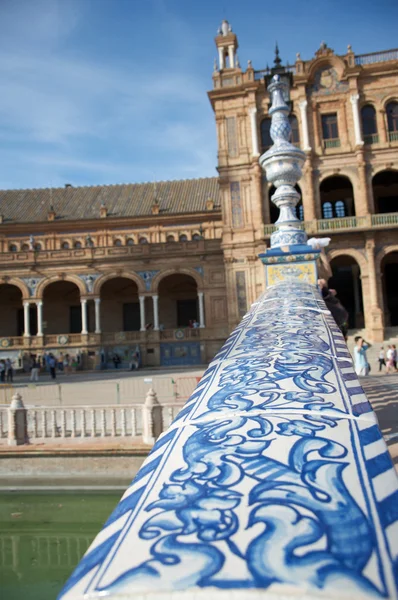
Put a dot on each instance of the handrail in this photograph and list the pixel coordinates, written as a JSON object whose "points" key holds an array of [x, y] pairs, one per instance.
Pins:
{"points": [[274, 471]]}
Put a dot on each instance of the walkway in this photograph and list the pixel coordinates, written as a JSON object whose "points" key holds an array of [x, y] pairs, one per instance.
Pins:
{"points": [[382, 392], [105, 387]]}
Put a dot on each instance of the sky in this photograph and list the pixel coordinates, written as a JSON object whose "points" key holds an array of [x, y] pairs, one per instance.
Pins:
{"points": [[115, 91]]}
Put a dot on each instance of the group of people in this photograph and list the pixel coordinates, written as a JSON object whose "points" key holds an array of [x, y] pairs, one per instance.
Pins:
{"points": [[48, 362], [134, 362], [6, 371], [388, 359]]}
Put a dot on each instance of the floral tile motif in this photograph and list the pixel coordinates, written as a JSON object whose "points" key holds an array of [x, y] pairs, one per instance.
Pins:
{"points": [[274, 476]]}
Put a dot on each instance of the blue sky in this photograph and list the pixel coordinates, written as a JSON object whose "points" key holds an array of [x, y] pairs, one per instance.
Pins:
{"points": [[114, 91]]}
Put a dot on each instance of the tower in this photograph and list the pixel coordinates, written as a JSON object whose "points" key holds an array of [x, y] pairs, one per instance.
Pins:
{"points": [[235, 104]]}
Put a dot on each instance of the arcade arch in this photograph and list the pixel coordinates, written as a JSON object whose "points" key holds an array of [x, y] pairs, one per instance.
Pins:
{"points": [[12, 313], [389, 270], [346, 281], [385, 191], [178, 301], [337, 197], [120, 307], [61, 308]]}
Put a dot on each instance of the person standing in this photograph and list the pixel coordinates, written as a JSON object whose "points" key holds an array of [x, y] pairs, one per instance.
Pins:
{"points": [[2, 371], [35, 367], [9, 370], [52, 364], [390, 360], [394, 356], [382, 359], [360, 358]]}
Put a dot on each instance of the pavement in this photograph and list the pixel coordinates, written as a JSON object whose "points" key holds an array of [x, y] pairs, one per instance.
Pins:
{"points": [[382, 393], [108, 387]]}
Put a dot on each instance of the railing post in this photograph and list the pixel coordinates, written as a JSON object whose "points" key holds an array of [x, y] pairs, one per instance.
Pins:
{"points": [[17, 422], [152, 418]]}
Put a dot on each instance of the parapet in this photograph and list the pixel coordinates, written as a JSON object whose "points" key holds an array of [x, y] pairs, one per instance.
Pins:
{"points": [[273, 481]]}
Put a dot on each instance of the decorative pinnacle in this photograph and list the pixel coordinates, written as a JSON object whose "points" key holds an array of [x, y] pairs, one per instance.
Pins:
{"points": [[277, 59], [282, 164]]}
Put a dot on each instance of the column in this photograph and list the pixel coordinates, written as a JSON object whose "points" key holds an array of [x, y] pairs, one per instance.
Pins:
{"points": [[26, 319], [142, 312], [155, 300], [355, 114], [39, 306], [375, 321], [304, 120], [231, 57], [253, 125], [201, 311], [221, 58], [84, 316], [97, 302]]}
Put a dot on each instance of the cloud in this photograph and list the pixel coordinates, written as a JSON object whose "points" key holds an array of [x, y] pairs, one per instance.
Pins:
{"points": [[69, 114]]}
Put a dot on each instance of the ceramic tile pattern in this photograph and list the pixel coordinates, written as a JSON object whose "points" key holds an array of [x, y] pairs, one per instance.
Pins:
{"points": [[274, 477]]}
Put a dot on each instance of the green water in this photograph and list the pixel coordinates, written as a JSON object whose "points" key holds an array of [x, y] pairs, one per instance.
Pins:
{"points": [[43, 536]]}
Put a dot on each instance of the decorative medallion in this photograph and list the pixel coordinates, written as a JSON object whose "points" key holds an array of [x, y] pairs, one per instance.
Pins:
{"points": [[179, 334], [199, 270], [89, 280], [326, 81], [63, 339], [31, 283], [5, 343], [147, 276]]}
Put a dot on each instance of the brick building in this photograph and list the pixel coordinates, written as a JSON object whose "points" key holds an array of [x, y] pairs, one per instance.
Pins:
{"points": [[94, 271]]}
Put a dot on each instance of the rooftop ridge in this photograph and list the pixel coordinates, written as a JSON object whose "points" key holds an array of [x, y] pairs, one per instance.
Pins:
{"points": [[108, 185]]}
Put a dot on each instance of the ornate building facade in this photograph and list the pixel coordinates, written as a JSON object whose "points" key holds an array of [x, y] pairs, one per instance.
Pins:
{"points": [[105, 270]]}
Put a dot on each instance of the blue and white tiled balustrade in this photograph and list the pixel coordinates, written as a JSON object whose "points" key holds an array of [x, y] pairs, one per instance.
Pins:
{"points": [[273, 479]]}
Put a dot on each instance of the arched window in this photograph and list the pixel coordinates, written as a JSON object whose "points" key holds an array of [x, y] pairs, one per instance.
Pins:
{"points": [[37, 246], [117, 242], [13, 248], [327, 210], [143, 240], [392, 120], [369, 125], [183, 238], [339, 209], [170, 238], [130, 242], [295, 130], [25, 247], [196, 237], [77, 245], [65, 245], [266, 140]]}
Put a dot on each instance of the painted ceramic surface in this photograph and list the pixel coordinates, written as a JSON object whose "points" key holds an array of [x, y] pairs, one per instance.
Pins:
{"points": [[274, 476]]}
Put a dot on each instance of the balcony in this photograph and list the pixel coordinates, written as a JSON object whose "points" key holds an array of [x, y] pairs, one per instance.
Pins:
{"points": [[29, 258], [331, 143], [393, 136], [379, 221], [372, 138]]}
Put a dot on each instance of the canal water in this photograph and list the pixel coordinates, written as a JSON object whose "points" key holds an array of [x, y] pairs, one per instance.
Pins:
{"points": [[43, 535]]}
